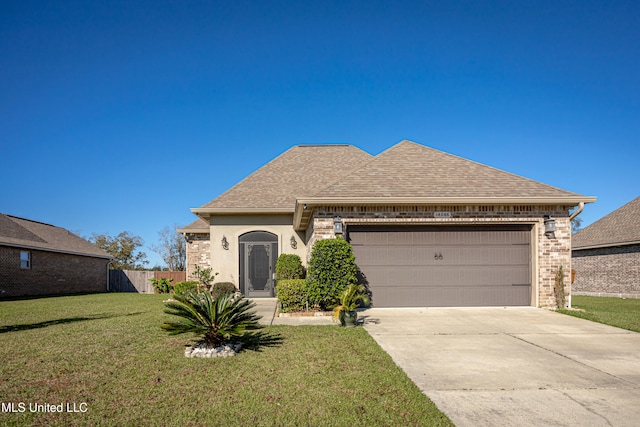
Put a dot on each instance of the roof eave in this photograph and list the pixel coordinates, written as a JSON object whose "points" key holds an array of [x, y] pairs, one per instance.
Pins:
{"points": [[207, 212], [304, 207], [606, 245], [38, 248], [317, 201], [193, 230]]}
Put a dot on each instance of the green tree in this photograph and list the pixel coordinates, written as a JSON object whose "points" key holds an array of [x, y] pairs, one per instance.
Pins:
{"points": [[124, 248], [171, 248]]}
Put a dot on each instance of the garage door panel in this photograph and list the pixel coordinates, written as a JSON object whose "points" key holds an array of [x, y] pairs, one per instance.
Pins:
{"points": [[446, 276], [446, 236], [396, 255], [489, 255], [427, 255], [445, 266], [450, 296]]}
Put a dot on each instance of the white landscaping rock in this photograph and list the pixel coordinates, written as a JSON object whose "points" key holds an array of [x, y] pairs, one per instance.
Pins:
{"points": [[201, 350]]}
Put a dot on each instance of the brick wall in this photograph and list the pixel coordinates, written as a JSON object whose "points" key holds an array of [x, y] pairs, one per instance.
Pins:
{"points": [[551, 252], [320, 228], [198, 252], [50, 273], [613, 271]]}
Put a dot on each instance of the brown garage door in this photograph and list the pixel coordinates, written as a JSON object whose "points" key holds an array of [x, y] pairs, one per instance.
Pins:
{"points": [[442, 266]]}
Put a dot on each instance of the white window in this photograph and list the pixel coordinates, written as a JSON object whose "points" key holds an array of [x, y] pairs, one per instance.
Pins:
{"points": [[25, 259]]}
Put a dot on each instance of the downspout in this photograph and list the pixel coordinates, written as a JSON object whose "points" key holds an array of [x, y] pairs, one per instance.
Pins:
{"points": [[573, 215], [577, 212], [108, 264]]}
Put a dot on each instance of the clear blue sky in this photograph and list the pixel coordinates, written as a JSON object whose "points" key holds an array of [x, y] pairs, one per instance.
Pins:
{"points": [[122, 115]]}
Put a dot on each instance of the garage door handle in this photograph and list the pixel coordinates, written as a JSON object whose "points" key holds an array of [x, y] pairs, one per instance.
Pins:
{"points": [[438, 256]]}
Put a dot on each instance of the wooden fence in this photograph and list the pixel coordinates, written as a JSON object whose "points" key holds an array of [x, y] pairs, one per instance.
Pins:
{"points": [[177, 276], [139, 281]]}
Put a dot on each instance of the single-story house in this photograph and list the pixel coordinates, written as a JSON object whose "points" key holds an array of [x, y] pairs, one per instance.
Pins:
{"points": [[42, 259], [428, 228], [606, 254]]}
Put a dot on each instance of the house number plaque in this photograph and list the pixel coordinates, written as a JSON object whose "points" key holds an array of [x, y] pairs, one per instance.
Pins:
{"points": [[442, 214]]}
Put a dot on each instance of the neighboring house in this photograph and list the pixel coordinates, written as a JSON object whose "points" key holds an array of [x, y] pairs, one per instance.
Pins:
{"points": [[428, 228], [41, 259], [606, 254]]}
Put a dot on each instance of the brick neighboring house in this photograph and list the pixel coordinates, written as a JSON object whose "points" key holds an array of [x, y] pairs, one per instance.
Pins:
{"points": [[42, 259], [428, 228], [606, 254]]}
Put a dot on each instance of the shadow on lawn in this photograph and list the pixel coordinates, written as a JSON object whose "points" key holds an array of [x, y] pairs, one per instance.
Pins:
{"points": [[28, 326], [257, 341]]}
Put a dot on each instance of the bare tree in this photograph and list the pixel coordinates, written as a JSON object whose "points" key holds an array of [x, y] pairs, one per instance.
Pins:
{"points": [[171, 248]]}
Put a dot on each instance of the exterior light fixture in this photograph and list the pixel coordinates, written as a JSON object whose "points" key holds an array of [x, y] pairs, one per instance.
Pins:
{"points": [[549, 226], [294, 243], [337, 225], [225, 243]]}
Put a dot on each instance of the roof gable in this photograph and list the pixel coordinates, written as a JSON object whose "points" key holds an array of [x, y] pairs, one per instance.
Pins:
{"points": [[620, 227], [409, 169], [300, 171], [20, 232]]}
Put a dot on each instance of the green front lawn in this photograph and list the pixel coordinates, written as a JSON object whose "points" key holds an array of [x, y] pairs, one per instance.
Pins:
{"points": [[622, 313], [107, 355]]}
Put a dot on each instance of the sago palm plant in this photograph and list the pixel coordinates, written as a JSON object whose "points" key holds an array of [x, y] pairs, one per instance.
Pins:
{"points": [[217, 320], [350, 299]]}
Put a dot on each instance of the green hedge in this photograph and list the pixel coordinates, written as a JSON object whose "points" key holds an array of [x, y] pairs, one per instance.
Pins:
{"points": [[222, 288], [332, 267], [292, 294], [289, 266], [181, 288]]}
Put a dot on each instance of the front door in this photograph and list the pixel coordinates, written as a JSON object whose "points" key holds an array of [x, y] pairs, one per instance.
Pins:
{"points": [[258, 266], [258, 255]]}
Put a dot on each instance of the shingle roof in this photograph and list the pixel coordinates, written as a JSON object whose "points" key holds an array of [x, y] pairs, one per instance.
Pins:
{"points": [[620, 227], [300, 171], [197, 226], [412, 170], [20, 232], [406, 173]]}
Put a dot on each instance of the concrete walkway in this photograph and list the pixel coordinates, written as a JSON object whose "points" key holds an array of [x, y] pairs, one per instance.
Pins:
{"points": [[266, 307], [515, 366]]}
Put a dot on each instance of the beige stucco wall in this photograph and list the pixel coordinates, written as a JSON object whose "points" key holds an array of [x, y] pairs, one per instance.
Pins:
{"points": [[226, 261]]}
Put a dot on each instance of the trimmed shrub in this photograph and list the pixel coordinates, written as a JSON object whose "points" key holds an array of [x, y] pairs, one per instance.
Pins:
{"points": [[332, 267], [289, 266], [162, 285], [221, 289], [292, 293], [182, 288]]}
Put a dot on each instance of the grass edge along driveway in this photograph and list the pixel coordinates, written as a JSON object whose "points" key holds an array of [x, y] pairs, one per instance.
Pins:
{"points": [[618, 312], [106, 354]]}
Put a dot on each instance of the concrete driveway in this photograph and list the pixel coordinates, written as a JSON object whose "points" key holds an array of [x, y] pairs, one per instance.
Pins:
{"points": [[515, 366]]}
